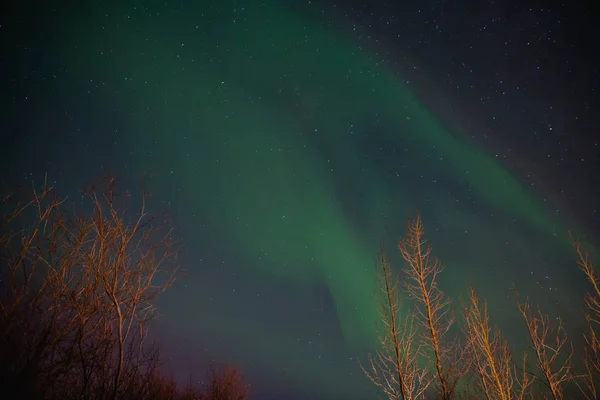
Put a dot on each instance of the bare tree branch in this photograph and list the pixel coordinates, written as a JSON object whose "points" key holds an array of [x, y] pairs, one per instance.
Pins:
{"points": [[78, 293], [433, 310], [551, 347], [588, 381], [491, 356], [394, 368]]}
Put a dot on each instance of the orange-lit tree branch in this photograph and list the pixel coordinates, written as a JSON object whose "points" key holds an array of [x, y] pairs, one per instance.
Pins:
{"points": [[591, 361], [394, 368], [433, 310], [551, 348], [225, 383], [77, 292], [490, 354]]}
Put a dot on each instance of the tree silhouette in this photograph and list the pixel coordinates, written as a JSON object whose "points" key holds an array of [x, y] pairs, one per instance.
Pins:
{"points": [[225, 383], [485, 361], [77, 295], [395, 368], [432, 310], [491, 356], [588, 381], [553, 352]]}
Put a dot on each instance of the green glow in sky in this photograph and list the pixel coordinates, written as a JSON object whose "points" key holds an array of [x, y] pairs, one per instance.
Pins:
{"points": [[294, 152]]}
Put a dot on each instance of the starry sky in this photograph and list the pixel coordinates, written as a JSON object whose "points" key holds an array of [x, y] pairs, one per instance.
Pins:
{"points": [[289, 139]]}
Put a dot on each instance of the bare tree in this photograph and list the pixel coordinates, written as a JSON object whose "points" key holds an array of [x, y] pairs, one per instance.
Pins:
{"points": [[433, 310], [551, 348], [225, 383], [591, 360], [491, 356], [395, 368], [77, 293], [127, 265]]}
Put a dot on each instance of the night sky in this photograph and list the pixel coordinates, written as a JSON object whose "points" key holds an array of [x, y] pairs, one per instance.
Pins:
{"points": [[289, 139]]}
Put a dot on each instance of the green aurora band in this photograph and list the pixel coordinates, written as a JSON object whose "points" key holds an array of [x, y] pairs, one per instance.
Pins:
{"points": [[275, 108]]}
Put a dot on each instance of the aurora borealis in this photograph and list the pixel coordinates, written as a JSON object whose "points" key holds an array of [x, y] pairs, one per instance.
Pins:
{"points": [[289, 139]]}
